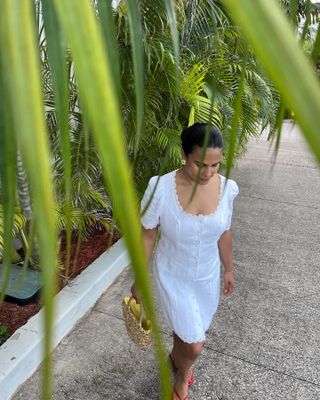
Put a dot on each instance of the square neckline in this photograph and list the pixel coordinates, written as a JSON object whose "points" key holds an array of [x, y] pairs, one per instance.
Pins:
{"points": [[174, 184]]}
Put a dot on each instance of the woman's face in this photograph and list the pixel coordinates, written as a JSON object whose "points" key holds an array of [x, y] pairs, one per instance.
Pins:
{"points": [[209, 166]]}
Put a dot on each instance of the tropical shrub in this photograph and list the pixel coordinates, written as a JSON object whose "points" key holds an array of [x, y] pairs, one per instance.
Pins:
{"points": [[211, 60]]}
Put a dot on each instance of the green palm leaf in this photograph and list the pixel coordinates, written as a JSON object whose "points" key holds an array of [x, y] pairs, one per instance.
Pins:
{"points": [[284, 60], [22, 76], [100, 103]]}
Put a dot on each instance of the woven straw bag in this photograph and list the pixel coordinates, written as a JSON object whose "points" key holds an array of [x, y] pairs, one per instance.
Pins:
{"points": [[136, 332]]}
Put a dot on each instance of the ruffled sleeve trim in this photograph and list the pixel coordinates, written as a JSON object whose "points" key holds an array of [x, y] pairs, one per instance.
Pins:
{"points": [[233, 191], [151, 204]]}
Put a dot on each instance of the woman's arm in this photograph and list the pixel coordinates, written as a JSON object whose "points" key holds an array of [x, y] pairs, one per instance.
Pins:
{"points": [[148, 241], [225, 250]]}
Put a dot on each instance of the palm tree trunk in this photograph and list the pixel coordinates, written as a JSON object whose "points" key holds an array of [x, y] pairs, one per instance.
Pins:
{"points": [[26, 208]]}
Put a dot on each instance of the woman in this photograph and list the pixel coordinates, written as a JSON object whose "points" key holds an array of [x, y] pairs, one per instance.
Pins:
{"points": [[195, 239]]}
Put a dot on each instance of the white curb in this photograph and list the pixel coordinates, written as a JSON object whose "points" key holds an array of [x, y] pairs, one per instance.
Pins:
{"points": [[22, 354]]}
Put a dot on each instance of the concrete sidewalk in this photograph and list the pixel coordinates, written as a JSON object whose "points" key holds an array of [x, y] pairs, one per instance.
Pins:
{"points": [[264, 342]]}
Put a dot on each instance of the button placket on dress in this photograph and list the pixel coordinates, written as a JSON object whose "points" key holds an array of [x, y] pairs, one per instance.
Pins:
{"points": [[200, 230], [198, 243], [196, 266]]}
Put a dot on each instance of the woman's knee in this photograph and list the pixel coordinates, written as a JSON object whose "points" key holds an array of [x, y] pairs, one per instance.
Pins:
{"points": [[195, 349]]}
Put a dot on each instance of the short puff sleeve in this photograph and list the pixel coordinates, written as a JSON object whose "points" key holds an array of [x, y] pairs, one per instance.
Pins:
{"points": [[233, 191], [151, 215]]}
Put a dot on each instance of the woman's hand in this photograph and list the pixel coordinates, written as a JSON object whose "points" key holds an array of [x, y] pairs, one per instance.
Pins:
{"points": [[135, 293], [228, 283], [225, 250]]}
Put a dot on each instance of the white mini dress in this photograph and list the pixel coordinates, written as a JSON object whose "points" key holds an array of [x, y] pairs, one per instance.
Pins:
{"points": [[186, 263]]}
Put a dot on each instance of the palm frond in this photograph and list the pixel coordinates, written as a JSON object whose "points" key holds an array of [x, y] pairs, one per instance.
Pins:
{"points": [[19, 222]]}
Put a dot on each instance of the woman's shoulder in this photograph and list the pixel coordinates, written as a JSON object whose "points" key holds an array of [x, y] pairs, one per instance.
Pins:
{"points": [[158, 183], [229, 185], [161, 179]]}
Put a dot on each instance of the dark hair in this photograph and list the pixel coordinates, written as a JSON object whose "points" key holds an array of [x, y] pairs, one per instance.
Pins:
{"points": [[195, 135]]}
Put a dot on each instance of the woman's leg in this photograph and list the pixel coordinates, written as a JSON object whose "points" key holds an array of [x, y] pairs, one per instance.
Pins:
{"points": [[184, 355]]}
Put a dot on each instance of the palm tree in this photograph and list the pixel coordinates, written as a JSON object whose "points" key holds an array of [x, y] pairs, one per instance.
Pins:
{"points": [[211, 55], [90, 205]]}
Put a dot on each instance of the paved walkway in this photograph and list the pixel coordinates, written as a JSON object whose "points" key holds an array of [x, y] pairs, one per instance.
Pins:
{"points": [[264, 343]]}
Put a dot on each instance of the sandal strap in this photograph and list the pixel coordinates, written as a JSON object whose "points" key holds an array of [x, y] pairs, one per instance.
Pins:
{"points": [[191, 379], [178, 396]]}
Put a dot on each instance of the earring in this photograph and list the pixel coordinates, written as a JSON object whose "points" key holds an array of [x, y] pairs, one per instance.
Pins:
{"points": [[183, 162]]}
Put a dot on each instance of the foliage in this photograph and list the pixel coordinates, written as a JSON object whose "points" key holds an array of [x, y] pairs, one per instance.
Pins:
{"points": [[19, 221], [211, 53], [300, 10], [284, 62], [90, 206], [4, 333]]}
